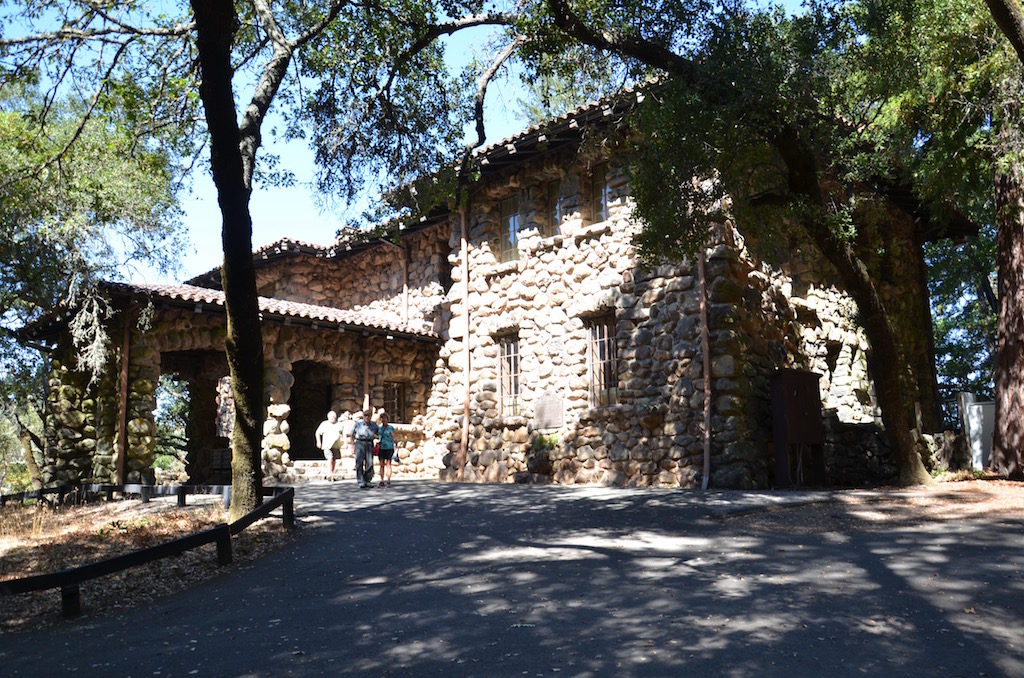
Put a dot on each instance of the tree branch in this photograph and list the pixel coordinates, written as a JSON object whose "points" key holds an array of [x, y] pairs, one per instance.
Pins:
{"points": [[634, 46], [250, 137], [25, 430], [99, 34], [86, 117], [1010, 20], [484, 80], [434, 32], [319, 27]]}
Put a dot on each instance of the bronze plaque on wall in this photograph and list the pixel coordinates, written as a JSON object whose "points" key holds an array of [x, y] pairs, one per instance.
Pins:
{"points": [[548, 412]]}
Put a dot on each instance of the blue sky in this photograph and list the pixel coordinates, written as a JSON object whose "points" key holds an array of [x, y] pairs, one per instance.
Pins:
{"points": [[292, 211]]}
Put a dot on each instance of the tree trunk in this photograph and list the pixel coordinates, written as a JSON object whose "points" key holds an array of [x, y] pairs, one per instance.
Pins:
{"points": [[27, 438], [215, 27], [884, 358], [1008, 439], [925, 363], [30, 462]]}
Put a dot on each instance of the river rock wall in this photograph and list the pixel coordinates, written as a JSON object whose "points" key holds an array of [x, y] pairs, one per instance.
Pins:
{"points": [[370, 280], [768, 308]]}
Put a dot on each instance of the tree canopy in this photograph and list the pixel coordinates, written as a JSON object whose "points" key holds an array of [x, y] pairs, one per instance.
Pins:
{"points": [[73, 213], [822, 117], [828, 117]]}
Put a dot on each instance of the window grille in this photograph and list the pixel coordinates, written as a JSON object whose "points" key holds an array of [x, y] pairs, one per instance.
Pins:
{"points": [[509, 373], [394, 401], [603, 362]]}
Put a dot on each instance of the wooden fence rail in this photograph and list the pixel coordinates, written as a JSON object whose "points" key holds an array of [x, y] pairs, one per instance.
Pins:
{"points": [[145, 492], [68, 581]]}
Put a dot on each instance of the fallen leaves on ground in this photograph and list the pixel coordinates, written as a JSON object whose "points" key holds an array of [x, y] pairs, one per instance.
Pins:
{"points": [[890, 508], [38, 539]]}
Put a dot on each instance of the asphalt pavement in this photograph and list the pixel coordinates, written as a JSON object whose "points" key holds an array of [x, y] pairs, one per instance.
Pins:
{"points": [[436, 579]]}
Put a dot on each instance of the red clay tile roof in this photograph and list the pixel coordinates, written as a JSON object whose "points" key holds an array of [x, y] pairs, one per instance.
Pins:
{"points": [[290, 245], [382, 323], [584, 114]]}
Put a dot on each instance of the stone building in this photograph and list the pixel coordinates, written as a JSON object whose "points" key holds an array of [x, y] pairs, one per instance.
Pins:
{"points": [[578, 364]]}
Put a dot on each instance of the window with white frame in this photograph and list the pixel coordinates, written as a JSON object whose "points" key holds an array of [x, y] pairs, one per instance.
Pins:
{"points": [[508, 368], [603, 361]]}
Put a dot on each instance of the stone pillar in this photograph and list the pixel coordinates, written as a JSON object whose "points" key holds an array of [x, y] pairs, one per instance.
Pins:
{"points": [[201, 426], [70, 426], [143, 375], [278, 380]]}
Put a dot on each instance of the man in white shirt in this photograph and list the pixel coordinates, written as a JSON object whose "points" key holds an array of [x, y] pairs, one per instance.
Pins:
{"points": [[328, 439]]}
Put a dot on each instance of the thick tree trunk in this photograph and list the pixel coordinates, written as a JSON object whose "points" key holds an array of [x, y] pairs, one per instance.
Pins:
{"points": [[27, 438], [30, 461], [215, 26], [884, 358], [1008, 441]]}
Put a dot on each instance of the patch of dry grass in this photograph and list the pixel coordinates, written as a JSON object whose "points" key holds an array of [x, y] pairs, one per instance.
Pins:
{"points": [[40, 539]]}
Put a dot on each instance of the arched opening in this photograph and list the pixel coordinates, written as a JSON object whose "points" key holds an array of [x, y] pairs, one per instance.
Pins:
{"points": [[310, 400], [173, 402], [207, 450]]}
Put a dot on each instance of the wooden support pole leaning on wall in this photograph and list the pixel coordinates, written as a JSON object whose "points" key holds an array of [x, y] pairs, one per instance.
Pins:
{"points": [[122, 399], [464, 442], [405, 285], [705, 349], [366, 373]]}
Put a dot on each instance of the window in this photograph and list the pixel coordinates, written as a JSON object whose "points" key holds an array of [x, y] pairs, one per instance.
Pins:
{"points": [[394, 401], [509, 372], [603, 362], [553, 207], [600, 193], [508, 229]]}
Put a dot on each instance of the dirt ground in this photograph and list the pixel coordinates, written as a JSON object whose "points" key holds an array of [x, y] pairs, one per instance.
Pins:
{"points": [[890, 508], [42, 540]]}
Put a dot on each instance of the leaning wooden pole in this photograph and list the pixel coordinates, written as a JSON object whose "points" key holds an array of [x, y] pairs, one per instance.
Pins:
{"points": [[366, 374], [122, 400], [464, 443], [705, 349]]}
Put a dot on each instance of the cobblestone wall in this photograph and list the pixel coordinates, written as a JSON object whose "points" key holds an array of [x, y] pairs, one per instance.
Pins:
{"points": [[772, 303], [768, 309], [368, 281]]}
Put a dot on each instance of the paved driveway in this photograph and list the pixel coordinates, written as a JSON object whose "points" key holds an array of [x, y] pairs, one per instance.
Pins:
{"points": [[445, 579]]}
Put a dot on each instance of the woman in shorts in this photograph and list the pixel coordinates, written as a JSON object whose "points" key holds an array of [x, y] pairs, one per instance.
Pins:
{"points": [[386, 449]]}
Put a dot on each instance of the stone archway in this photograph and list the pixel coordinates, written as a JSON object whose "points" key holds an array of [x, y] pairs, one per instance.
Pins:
{"points": [[310, 400], [208, 458]]}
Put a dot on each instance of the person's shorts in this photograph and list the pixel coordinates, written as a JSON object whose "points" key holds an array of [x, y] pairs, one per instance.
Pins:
{"points": [[333, 453], [385, 454]]}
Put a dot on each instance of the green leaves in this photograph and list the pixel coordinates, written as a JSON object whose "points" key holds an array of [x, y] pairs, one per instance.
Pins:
{"points": [[71, 214]]}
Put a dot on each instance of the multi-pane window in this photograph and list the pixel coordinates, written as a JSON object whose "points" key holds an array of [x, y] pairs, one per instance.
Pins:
{"points": [[600, 193], [394, 401], [508, 368], [508, 229], [602, 360], [553, 207]]}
